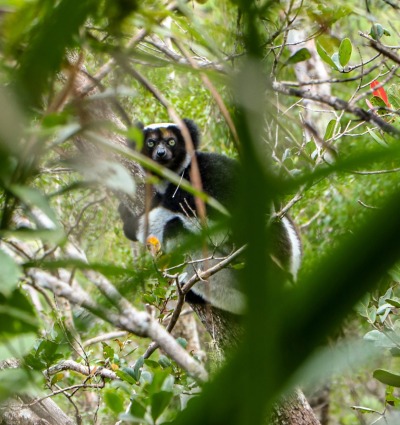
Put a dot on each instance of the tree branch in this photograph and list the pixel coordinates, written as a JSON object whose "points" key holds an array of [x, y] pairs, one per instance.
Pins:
{"points": [[339, 105], [128, 318]]}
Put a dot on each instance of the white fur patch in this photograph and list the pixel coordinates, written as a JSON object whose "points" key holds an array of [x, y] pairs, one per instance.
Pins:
{"points": [[186, 162], [160, 125], [162, 185], [156, 221], [295, 245]]}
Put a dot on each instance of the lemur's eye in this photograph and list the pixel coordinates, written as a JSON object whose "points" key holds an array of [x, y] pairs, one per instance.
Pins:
{"points": [[171, 142], [150, 143]]}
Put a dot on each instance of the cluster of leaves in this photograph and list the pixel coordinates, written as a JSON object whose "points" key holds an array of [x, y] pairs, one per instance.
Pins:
{"points": [[153, 391]]}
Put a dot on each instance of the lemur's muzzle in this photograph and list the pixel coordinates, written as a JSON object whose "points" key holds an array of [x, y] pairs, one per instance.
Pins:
{"points": [[161, 153]]}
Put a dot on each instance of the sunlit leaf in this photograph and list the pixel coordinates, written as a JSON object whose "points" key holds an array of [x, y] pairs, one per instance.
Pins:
{"points": [[107, 173], [336, 61], [127, 375], [377, 138], [299, 56], [345, 50], [387, 377], [324, 56], [16, 346], [329, 129], [380, 339], [114, 400]]}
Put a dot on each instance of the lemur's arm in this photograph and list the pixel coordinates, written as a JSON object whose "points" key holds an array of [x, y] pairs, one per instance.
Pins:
{"points": [[130, 220]]}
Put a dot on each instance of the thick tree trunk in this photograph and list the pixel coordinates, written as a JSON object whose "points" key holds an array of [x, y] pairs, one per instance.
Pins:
{"points": [[294, 410]]}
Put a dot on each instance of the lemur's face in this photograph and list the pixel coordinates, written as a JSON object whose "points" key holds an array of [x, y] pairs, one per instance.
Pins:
{"points": [[164, 144]]}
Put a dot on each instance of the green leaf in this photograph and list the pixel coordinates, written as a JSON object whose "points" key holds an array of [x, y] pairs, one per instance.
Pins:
{"points": [[393, 93], [59, 25], [164, 362], [324, 56], [127, 375], [380, 339], [299, 56], [14, 381], [137, 370], [182, 342], [107, 173], [387, 377], [159, 403], [10, 274], [395, 302], [114, 400], [45, 235], [376, 31], [345, 51], [378, 102], [108, 352], [378, 139], [329, 129], [17, 346], [16, 314], [47, 350], [371, 314], [136, 409], [57, 378], [335, 60]]}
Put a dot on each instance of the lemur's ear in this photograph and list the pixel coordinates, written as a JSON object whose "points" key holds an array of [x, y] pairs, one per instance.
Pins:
{"points": [[139, 125], [137, 136], [194, 131]]}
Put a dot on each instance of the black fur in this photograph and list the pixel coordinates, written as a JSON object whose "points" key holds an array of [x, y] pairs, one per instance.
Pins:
{"points": [[218, 176]]}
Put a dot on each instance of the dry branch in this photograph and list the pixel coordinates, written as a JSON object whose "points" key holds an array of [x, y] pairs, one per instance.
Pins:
{"points": [[127, 318], [339, 105]]}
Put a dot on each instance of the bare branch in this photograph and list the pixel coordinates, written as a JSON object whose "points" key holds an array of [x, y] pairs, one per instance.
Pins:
{"points": [[205, 274], [128, 318], [379, 47], [109, 66], [105, 337], [82, 369]]}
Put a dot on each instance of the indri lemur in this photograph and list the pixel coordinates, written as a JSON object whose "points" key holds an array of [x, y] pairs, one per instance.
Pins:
{"points": [[173, 212]]}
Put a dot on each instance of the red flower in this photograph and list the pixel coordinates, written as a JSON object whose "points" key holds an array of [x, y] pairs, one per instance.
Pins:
{"points": [[380, 92]]}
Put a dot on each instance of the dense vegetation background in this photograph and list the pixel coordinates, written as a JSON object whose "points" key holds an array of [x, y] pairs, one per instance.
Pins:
{"points": [[306, 95]]}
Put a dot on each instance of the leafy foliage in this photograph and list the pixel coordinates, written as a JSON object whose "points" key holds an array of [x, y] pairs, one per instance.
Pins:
{"points": [[61, 172]]}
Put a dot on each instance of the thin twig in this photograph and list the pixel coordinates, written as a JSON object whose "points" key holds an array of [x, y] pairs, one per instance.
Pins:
{"points": [[339, 105], [109, 66]]}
